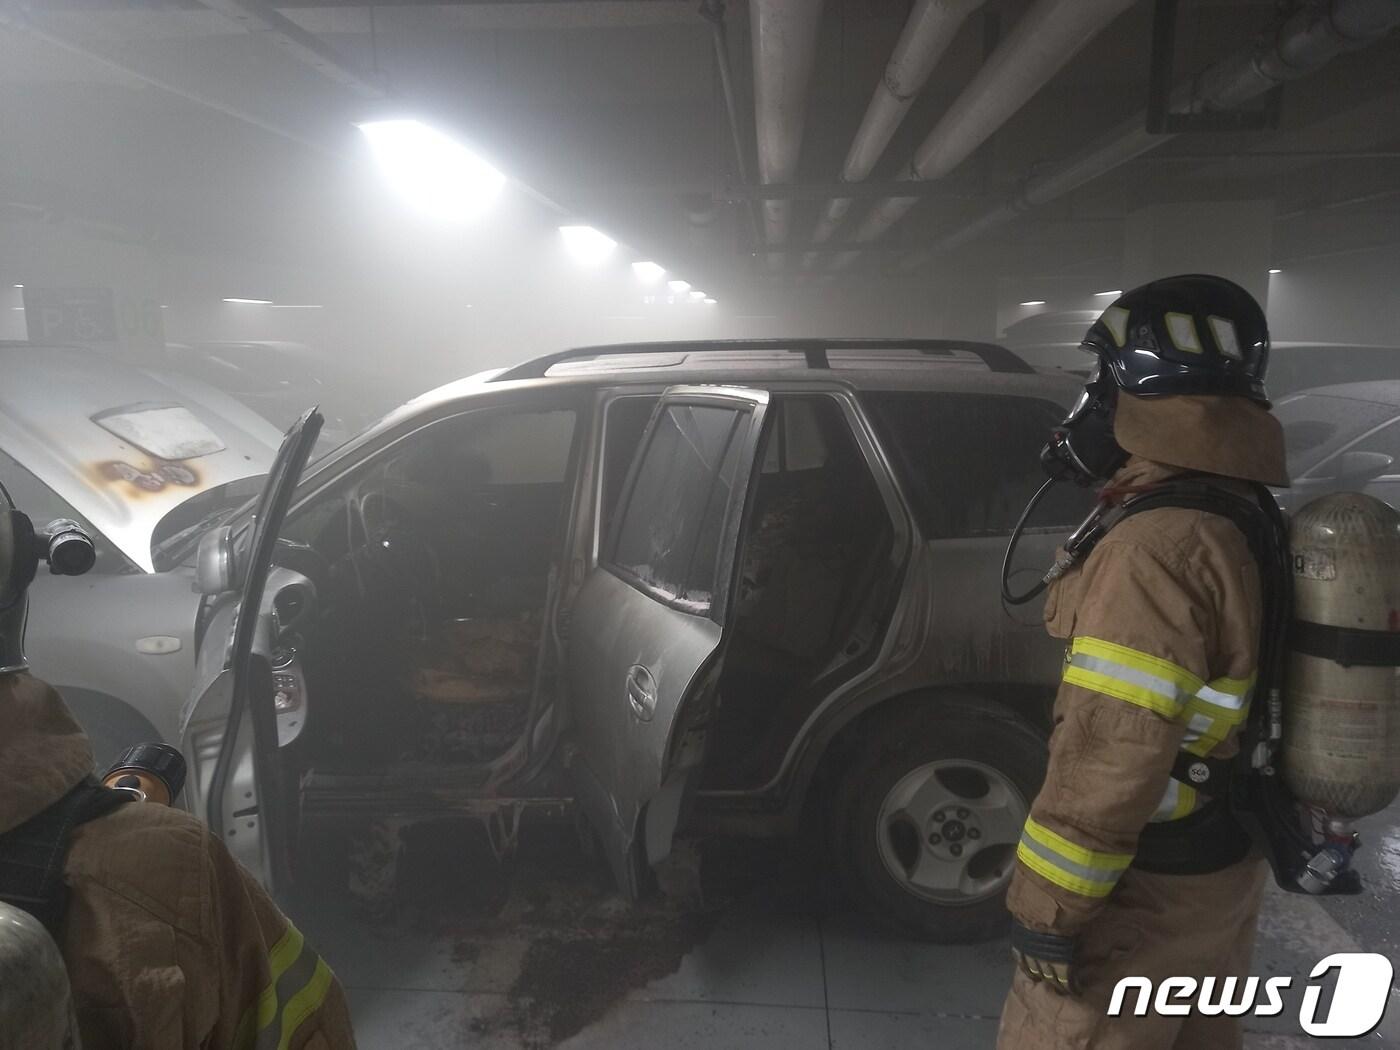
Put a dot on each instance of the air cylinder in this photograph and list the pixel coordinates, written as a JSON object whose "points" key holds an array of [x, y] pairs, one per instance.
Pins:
{"points": [[1341, 735]]}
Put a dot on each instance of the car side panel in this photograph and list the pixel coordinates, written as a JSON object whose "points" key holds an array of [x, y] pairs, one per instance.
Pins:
{"points": [[83, 634]]}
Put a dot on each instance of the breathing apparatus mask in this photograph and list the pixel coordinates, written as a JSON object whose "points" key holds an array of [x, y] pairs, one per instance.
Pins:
{"points": [[61, 544], [1082, 450]]}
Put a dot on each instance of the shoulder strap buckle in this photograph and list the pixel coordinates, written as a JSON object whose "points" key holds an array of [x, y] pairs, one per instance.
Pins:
{"points": [[32, 855]]}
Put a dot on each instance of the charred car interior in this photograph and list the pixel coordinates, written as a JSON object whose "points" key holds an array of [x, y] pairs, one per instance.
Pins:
{"points": [[706, 523]]}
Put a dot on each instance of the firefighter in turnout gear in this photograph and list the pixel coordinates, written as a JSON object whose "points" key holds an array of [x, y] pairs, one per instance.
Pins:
{"points": [[168, 943], [1124, 868]]}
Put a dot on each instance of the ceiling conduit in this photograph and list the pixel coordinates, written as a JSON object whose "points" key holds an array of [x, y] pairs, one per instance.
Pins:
{"points": [[931, 28], [1299, 45], [1047, 36], [784, 36]]}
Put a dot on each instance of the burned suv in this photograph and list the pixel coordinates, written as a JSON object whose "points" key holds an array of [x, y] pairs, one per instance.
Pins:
{"points": [[680, 588]]}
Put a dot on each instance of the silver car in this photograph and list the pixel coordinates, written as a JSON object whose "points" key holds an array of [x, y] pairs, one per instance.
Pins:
{"points": [[1342, 438], [676, 589], [146, 466]]}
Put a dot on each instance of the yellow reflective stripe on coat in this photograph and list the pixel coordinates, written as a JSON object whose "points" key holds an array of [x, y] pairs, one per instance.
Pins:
{"points": [[298, 982], [1179, 800], [1128, 674], [1216, 708], [1159, 686], [1068, 865]]}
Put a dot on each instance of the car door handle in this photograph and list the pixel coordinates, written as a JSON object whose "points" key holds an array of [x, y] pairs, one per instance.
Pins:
{"points": [[641, 692]]}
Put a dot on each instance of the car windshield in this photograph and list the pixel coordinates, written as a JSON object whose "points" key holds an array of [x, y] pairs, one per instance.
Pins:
{"points": [[176, 535], [1316, 425]]}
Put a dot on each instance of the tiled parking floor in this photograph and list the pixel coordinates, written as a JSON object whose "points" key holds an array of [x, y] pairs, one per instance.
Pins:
{"points": [[545, 956]]}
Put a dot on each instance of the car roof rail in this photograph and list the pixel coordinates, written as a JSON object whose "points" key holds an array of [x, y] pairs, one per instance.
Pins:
{"points": [[814, 351]]}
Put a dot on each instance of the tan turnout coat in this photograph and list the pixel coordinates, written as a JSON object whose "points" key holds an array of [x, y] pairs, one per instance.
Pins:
{"points": [[170, 945], [1161, 626]]}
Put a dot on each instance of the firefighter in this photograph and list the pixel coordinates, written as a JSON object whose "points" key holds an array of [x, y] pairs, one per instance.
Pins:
{"points": [[168, 943], [1123, 868]]}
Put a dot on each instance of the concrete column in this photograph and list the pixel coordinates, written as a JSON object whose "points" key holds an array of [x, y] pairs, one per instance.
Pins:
{"points": [[1233, 239]]}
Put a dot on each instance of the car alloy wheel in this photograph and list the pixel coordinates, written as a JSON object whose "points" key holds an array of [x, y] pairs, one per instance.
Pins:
{"points": [[947, 831]]}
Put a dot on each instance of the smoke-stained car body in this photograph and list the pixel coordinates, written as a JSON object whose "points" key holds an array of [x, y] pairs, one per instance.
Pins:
{"points": [[1342, 438], [145, 467], [682, 587]]}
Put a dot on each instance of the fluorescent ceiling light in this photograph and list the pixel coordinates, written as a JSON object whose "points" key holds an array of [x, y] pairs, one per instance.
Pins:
{"points": [[697, 295], [16, 308], [586, 244], [251, 302], [19, 286], [1275, 270], [710, 300], [436, 175], [1116, 291], [648, 272], [1034, 302], [678, 286]]}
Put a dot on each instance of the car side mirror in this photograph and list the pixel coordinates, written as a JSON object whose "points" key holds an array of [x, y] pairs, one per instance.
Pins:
{"points": [[213, 566], [1357, 468]]}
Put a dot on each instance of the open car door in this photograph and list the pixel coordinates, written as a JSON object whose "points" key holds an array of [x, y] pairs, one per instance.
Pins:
{"points": [[228, 730], [647, 627]]}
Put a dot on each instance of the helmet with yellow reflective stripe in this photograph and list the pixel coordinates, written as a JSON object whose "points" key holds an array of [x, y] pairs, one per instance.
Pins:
{"points": [[1190, 334]]}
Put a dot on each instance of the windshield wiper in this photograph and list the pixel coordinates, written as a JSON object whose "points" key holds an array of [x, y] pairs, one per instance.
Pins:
{"points": [[176, 540]]}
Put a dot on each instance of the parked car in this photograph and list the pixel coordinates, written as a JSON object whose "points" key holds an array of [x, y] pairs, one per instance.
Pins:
{"points": [[144, 468], [616, 580], [1051, 340], [278, 379], [1343, 438], [1297, 366]]}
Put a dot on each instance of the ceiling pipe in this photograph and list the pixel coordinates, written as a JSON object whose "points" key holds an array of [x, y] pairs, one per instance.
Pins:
{"points": [[1047, 36], [712, 11], [931, 27], [305, 46], [784, 37], [1299, 45]]}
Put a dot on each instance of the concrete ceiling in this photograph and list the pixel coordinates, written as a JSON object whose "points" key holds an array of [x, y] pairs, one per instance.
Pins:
{"points": [[188, 124]]}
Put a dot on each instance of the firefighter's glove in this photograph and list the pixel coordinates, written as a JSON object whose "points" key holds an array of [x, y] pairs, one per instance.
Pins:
{"points": [[1046, 957]]}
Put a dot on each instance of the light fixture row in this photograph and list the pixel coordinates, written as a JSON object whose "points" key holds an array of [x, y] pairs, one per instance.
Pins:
{"points": [[591, 247]]}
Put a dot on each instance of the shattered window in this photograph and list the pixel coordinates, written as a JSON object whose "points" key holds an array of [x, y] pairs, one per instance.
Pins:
{"points": [[674, 501]]}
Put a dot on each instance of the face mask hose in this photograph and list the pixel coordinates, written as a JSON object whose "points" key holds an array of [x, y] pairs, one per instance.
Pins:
{"points": [[1034, 592]]}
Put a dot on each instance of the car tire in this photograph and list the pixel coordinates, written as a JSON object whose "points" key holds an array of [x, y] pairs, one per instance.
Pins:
{"points": [[927, 813]]}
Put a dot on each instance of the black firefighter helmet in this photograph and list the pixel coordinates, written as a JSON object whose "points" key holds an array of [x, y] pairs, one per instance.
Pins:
{"points": [[1193, 334], [1190, 334]]}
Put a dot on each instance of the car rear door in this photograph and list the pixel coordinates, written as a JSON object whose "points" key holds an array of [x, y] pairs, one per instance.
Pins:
{"points": [[229, 728], [647, 627]]}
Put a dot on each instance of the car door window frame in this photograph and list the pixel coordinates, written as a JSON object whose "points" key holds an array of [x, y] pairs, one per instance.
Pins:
{"points": [[597, 487], [714, 607], [344, 466], [902, 471]]}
